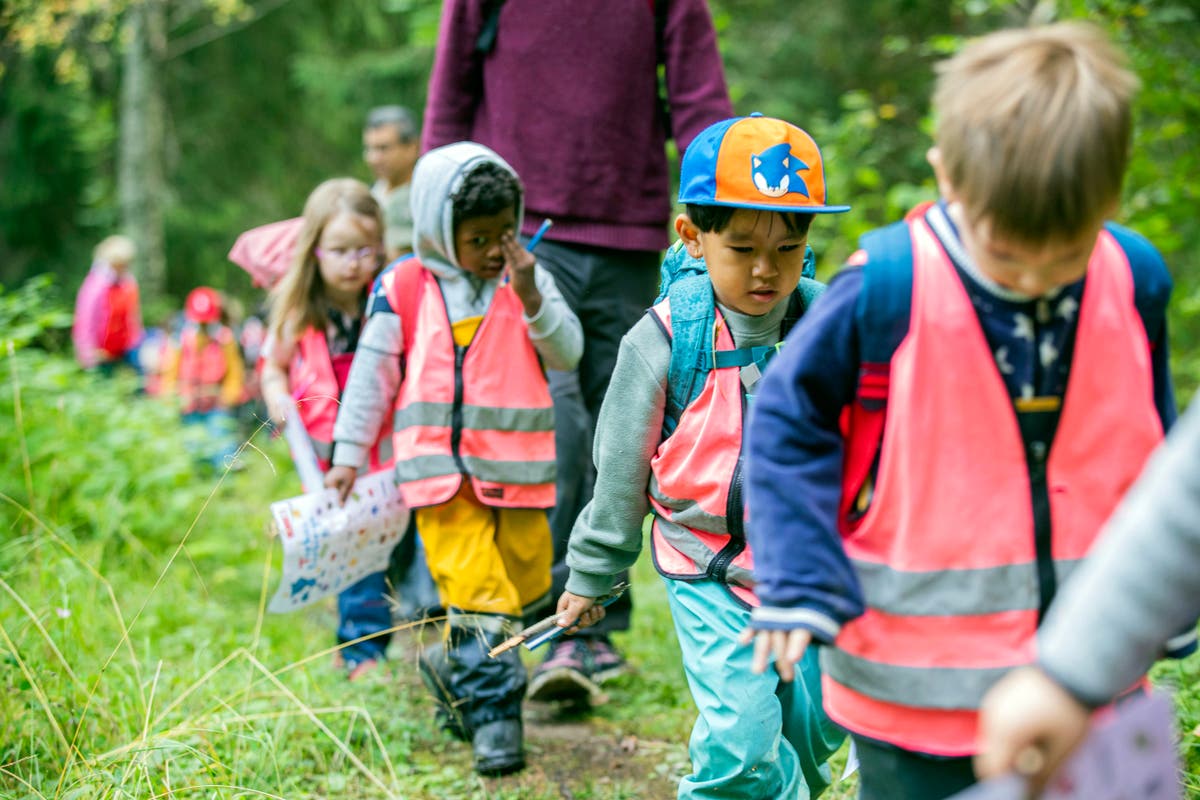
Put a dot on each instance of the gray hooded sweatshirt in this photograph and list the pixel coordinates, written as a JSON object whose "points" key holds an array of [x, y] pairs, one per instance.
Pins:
{"points": [[374, 380]]}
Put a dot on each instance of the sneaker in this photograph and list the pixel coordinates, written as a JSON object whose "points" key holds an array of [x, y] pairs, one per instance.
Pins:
{"points": [[563, 676], [606, 662], [498, 747], [357, 669]]}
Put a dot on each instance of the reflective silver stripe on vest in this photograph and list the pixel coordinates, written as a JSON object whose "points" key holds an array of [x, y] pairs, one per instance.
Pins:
{"points": [[922, 687], [420, 467], [324, 450], [476, 418], [686, 542], [517, 472], [953, 593], [385, 449], [512, 472], [688, 512]]}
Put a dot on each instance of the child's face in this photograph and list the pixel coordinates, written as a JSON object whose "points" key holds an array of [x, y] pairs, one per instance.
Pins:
{"points": [[477, 242], [1031, 269], [348, 254], [755, 263]]}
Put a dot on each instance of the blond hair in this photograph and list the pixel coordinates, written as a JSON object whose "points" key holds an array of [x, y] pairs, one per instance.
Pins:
{"points": [[299, 301], [1033, 129], [115, 250]]}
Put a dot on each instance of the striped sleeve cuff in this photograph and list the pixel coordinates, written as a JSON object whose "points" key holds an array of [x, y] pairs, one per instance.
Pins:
{"points": [[821, 626]]}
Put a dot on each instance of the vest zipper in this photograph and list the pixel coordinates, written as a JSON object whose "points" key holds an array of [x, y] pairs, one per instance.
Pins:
{"points": [[734, 523], [456, 413], [1042, 531]]}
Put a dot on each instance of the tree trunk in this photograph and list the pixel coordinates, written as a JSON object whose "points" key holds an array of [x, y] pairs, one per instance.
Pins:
{"points": [[141, 183]]}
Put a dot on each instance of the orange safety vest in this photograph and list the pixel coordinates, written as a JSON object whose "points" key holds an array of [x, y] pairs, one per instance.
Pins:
{"points": [[201, 369], [695, 482], [318, 380], [483, 411], [945, 554]]}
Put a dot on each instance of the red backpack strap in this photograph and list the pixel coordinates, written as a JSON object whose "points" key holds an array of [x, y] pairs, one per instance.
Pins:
{"points": [[401, 284], [882, 318]]}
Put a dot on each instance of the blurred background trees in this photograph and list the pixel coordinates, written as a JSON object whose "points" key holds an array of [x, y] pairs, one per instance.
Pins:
{"points": [[184, 122]]}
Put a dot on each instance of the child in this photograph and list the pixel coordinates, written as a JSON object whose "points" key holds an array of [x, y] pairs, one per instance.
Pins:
{"points": [[1010, 357], [669, 443], [455, 348], [108, 318], [315, 316], [206, 372]]}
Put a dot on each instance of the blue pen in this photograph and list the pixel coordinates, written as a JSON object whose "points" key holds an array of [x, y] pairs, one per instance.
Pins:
{"points": [[537, 237]]}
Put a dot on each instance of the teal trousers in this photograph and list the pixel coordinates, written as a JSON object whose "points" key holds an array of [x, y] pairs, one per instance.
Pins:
{"points": [[755, 736]]}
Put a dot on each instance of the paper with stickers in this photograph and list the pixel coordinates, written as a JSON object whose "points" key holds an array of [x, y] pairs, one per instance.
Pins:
{"points": [[1131, 755], [327, 547]]}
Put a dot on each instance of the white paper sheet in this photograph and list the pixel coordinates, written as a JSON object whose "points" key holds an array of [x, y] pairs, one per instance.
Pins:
{"points": [[327, 547]]}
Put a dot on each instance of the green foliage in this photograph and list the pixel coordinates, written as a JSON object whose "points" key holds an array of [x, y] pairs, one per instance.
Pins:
{"points": [[34, 315]]}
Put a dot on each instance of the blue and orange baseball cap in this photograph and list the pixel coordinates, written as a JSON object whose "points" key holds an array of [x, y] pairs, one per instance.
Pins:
{"points": [[755, 162]]}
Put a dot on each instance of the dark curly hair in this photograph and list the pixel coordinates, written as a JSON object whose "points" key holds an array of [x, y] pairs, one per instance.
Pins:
{"points": [[486, 190]]}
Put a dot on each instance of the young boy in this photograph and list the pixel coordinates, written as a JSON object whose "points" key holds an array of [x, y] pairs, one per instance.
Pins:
{"points": [[208, 374], [455, 348], [999, 362], [669, 443]]}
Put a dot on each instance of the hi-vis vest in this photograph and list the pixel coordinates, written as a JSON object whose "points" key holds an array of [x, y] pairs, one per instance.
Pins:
{"points": [[946, 553], [202, 367], [318, 380], [696, 483], [481, 411]]}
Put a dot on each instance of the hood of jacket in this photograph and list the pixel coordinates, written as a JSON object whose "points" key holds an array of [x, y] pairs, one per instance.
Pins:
{"points": [[437, 176]]}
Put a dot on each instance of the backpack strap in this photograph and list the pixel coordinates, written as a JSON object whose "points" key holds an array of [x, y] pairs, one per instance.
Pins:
{"points": [[491, 26], [401, 284], [693, 355], [693, 316], [881, 319], [660, 67], [1151, 282]]}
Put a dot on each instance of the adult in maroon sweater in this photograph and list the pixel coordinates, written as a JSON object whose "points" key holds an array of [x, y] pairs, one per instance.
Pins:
{"points": [[567, 92]]}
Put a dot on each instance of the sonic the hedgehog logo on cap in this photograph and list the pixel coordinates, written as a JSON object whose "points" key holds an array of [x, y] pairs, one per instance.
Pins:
{"points": [[755, 162]]}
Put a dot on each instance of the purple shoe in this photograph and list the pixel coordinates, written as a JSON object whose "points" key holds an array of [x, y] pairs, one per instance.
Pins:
{"points": [[606, 662], [563, 676]]}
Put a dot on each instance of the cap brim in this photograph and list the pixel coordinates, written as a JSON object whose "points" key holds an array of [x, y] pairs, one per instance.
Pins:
{"points": [[766, 207]]}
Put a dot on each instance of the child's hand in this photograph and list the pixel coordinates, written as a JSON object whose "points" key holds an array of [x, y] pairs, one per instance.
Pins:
{"points": [[277, 406], [1028, 724], [786, 646], [520, 263], [575, 612], [342, 479]]}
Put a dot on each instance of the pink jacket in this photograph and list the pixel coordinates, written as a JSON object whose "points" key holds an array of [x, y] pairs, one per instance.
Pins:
{"points": [[91, 313]]}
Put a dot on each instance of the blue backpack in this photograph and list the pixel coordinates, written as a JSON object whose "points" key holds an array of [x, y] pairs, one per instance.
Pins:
{"points": [[882, 320], [684, 281]]}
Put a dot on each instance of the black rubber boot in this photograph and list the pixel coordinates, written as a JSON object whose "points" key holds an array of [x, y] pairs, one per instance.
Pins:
{"points": [[437, 676], [499, 747]]}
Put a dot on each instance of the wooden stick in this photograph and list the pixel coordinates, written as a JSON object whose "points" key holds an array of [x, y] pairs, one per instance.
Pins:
{"points": [[533, 630], [543, 625]]}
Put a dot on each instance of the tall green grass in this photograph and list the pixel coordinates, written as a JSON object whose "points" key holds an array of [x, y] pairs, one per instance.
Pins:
{"points": [[136, 659]]}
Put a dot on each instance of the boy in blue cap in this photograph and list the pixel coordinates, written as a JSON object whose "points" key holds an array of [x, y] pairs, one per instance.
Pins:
{"points": [[668, 443]]}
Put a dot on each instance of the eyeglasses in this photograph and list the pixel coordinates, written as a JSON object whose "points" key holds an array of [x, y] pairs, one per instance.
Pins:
{"points": [[344, 254]]}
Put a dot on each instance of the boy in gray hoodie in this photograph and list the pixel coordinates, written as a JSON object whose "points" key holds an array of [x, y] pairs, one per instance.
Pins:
{"points": [[455, 346]]}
